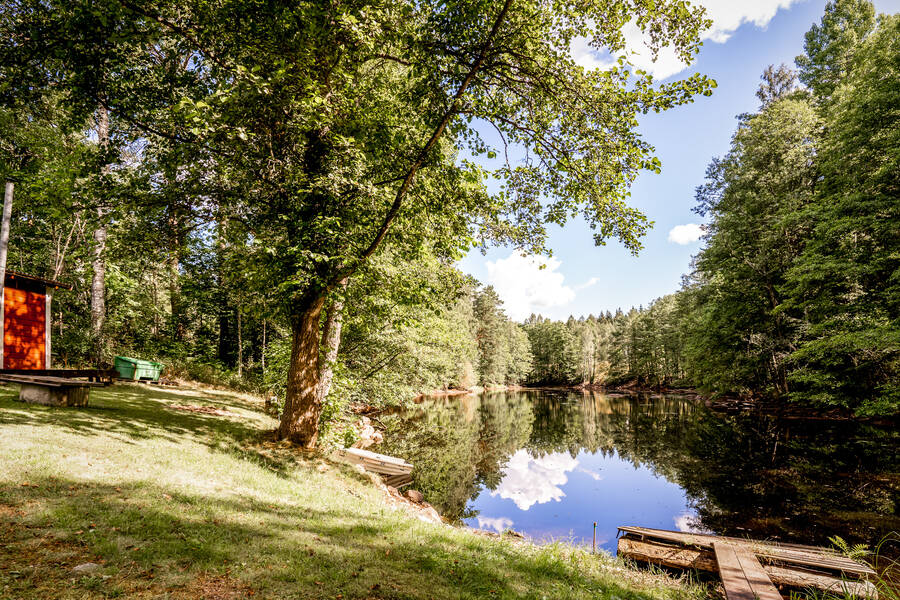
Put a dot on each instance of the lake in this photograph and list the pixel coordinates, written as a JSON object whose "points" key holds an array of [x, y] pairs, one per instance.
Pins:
{"points": [[549, 464]]}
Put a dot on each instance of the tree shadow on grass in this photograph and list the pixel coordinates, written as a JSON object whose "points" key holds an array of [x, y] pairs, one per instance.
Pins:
{"points": [[133, 412], [169, 539]]}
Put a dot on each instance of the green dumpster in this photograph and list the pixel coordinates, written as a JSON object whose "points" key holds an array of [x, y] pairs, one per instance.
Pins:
{"points": [[137, 369]]}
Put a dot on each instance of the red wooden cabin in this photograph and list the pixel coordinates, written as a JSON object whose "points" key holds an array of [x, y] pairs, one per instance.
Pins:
{"points": [[26, 321]]}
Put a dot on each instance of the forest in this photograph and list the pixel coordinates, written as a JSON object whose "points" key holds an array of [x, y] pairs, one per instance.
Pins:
{"points": [[796, 293], [283, 219]]}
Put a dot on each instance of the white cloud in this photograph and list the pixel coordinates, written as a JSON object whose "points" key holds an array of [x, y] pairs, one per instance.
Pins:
{"points": [[592, 474], [587, 284], [639, 54], [727, 17], [528, 481], [588, 57], [685, 234], [527, 288], [688, 524], [499, 524]]}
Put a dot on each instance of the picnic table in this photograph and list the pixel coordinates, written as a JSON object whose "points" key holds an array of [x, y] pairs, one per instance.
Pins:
{"points": [[57, 387]]}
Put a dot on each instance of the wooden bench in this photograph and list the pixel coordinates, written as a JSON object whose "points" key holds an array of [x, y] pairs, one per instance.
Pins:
{"points": [[53, 390]]}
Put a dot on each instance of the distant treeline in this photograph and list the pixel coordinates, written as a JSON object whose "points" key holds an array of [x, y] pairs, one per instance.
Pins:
{"points": [[643, 345]]}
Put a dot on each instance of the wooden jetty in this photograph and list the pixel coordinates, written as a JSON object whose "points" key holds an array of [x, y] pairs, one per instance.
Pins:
{"points": [[750, 569], [394, 471]]}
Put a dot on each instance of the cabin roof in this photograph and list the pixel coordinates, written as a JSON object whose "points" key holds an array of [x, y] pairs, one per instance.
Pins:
{"points": [[14, 275]]}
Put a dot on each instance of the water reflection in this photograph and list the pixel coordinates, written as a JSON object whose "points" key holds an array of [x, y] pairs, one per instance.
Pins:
{"points": [[531, 480], [549, 464]]}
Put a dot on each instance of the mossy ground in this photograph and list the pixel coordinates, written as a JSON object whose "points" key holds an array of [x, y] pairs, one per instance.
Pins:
{"points": [[181, 503]]}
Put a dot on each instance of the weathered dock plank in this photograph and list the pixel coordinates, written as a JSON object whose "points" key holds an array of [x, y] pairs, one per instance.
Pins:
{"points": [[702, 559], [742, 575]]}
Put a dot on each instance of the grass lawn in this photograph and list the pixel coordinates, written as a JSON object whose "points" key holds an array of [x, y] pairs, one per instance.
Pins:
{"points": [[180, 503]]}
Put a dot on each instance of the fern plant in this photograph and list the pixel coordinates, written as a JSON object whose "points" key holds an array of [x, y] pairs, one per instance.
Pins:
{"points": [[855, 552]]}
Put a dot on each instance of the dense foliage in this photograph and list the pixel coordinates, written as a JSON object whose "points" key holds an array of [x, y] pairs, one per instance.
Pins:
{"points": [[643, 346], [796, 290]]}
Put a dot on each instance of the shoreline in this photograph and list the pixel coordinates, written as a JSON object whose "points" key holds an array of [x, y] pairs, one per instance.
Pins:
{"points": [[724, 404]]}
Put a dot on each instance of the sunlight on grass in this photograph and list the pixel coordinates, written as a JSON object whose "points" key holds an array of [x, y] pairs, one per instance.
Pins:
{"points": [[192, 504]]}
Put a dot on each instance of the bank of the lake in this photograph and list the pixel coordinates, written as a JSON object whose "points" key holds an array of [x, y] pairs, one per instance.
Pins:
{"points": [[180, 493]]}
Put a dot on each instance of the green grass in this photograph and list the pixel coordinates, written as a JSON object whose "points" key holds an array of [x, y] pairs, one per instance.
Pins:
{"points": [[179, 504]]}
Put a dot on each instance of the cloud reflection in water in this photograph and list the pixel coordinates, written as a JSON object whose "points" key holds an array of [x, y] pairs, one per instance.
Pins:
{"points": [[528, 481], [499, 524]]}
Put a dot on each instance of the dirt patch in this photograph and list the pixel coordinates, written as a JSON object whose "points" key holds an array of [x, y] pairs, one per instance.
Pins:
{"points": [[221, 587], [397, 501], [441, 393], [34, 563], [10, 512], [206, 410], [360, 408], [635, 387]]}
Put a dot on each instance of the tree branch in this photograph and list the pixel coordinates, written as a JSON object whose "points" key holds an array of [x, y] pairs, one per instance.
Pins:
{"points": [[137, 8], [402, 191]]}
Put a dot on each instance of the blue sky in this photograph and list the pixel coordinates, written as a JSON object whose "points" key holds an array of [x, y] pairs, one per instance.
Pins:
{"points": [[582, 278]]}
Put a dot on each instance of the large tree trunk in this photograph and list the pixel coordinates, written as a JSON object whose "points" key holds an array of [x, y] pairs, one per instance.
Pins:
{"points": [[177, 323], [226, 346], [98, 282], [98, 290], [262, 355], [331, 339], [226, 349], [302, 404]]}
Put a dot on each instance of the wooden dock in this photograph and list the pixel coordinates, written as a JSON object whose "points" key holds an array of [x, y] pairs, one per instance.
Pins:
{"points": [[750, 569], [395, 471]]}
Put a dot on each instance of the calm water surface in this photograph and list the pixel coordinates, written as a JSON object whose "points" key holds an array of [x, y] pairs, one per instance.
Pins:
{"points": [[550, 464]]}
